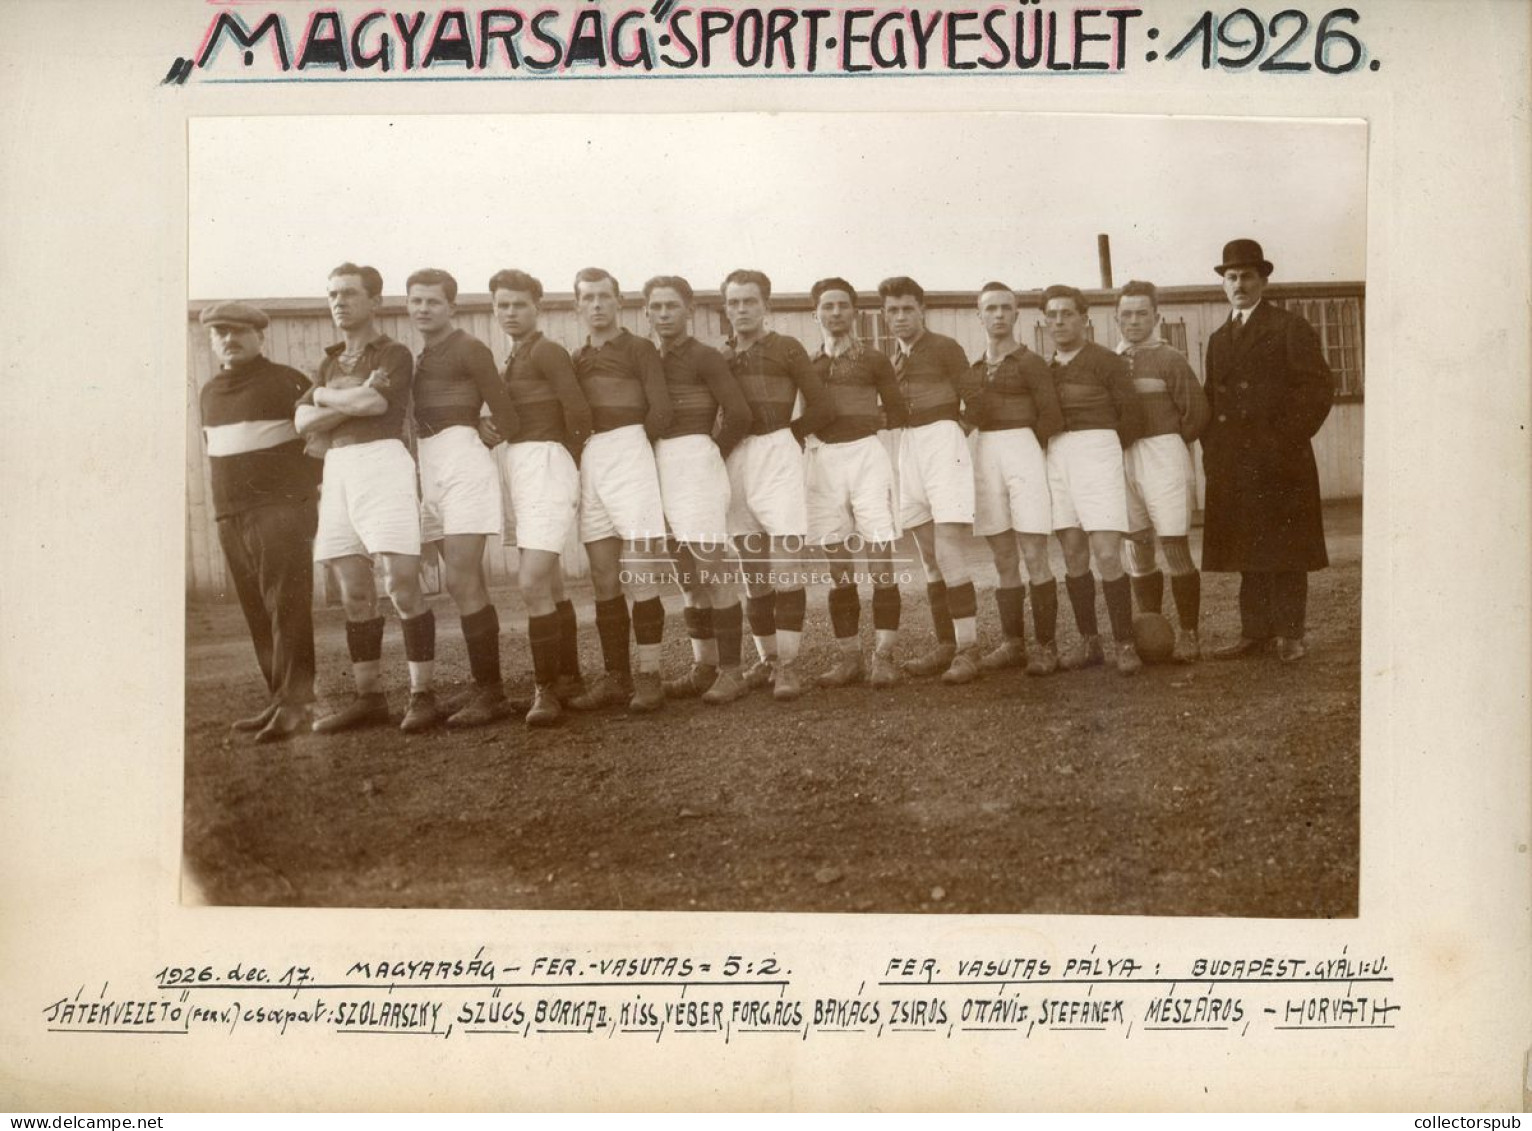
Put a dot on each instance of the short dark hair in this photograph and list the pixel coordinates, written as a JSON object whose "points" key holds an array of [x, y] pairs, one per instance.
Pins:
{"points": [[993, 285], [433, 277], [372, 280], [513, 280], [833, 283], [1059, 290], [902, 286], [744, 277], [671, 282], [1139, 287], [596, 275]]}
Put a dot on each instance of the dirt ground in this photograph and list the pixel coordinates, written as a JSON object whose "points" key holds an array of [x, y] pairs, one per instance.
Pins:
{"points": [[1215, 789]]}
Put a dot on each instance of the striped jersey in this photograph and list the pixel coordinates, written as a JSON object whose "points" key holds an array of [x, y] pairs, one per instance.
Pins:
{"points": [[1096, 392], [454, 378], [700, 383], [255, 456], [540, 379], [624, 383], [772, 371], [1168, 391], [931, 373], [857, 381], [1015, 392]]}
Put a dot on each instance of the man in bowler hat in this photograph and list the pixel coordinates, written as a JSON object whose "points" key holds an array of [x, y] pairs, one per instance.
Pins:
{"points": [[1269, 390], [265, 492]]}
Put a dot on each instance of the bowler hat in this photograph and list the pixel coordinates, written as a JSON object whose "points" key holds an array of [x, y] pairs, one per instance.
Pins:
{"points": [[1244, 253], [234, 314]]}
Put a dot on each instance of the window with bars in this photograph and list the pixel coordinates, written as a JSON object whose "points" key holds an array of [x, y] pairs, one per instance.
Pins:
{"points": [[1173, 334], [1338, 322]]}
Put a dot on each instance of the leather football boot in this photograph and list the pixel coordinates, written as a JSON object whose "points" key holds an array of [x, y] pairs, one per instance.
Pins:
{"points": [[1085, 653], [363, 711], [934, 662]]}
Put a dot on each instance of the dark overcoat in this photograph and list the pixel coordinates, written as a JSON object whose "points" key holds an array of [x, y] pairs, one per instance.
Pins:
{"points": [[1268, 394]]}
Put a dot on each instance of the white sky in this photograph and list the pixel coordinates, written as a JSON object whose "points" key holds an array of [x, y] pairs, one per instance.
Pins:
{"points": [[951, 199]]}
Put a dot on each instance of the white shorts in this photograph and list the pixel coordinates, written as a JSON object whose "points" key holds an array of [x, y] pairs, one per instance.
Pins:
{"points": [[540, 485], [368, 503], [766, 486], [1158, 472], [1086, 481], [935, 475], [1010, 483], [694, 486], [619, 487], [850, 489], [459, 485]]}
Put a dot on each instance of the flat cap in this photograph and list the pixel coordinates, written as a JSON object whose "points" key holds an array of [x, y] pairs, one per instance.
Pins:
{"points": [[234, 314]]}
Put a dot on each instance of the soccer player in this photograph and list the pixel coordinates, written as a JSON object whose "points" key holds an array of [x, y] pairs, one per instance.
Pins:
{"points": [[1010, 400], [540, 482], [850, 482], [935, 478], [1090, 509], [1158, 465], [263, 495], [455, 376], [623, 380], [694, 487], [369, 506], [768, 514]]}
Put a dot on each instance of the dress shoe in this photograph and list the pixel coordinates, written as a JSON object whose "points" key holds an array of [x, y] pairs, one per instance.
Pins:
{"points": [[693, 683], [1244, 646], [1291, 648], [421, 714], [847, 670], [728, 687], [366, 710], [787, 684], [1085, 653], [934, 662], [648, 693], [284, 723], [1012, 653], [758, 675], [884, 671], [609, 690], [255, 722], [964, 667], [545, 709], [1188, 648], [486, 705], [1044, 659], [1128, 662]]}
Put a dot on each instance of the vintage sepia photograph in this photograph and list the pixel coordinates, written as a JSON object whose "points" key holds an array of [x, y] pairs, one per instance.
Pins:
{"points": [[584, 513]]}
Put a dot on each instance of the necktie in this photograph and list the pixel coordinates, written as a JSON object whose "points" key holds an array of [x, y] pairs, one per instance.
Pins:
{"points": [[1239, 326]]}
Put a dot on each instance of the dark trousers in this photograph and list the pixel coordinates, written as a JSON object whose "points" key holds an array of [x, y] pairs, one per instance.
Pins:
{"points": [[270, 551], [1273, 604]]}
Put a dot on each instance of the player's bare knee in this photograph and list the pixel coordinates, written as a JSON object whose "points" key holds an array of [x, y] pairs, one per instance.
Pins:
{"points": [[1106, 551], [1076, 548], [1034, 552]]}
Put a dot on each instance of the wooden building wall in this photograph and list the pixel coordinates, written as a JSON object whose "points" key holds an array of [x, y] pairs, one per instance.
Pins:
{"points": [[301, 328]]}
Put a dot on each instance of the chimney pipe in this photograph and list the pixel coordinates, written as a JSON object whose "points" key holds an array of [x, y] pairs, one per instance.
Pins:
{"points": [[1104, 254]]}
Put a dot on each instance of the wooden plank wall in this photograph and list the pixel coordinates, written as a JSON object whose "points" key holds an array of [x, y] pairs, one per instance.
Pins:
{"points": [[300, 330]]}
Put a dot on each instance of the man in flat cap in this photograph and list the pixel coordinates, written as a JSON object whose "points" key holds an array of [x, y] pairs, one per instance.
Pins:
{"points": [[264, 497], [1268, 390]]}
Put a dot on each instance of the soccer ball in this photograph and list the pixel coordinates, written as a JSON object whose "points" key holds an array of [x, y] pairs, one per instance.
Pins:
{"points": [[1154, 638]]}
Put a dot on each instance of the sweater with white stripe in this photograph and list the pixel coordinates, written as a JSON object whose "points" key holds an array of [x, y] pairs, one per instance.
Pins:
{"points": [[254, 454]]}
